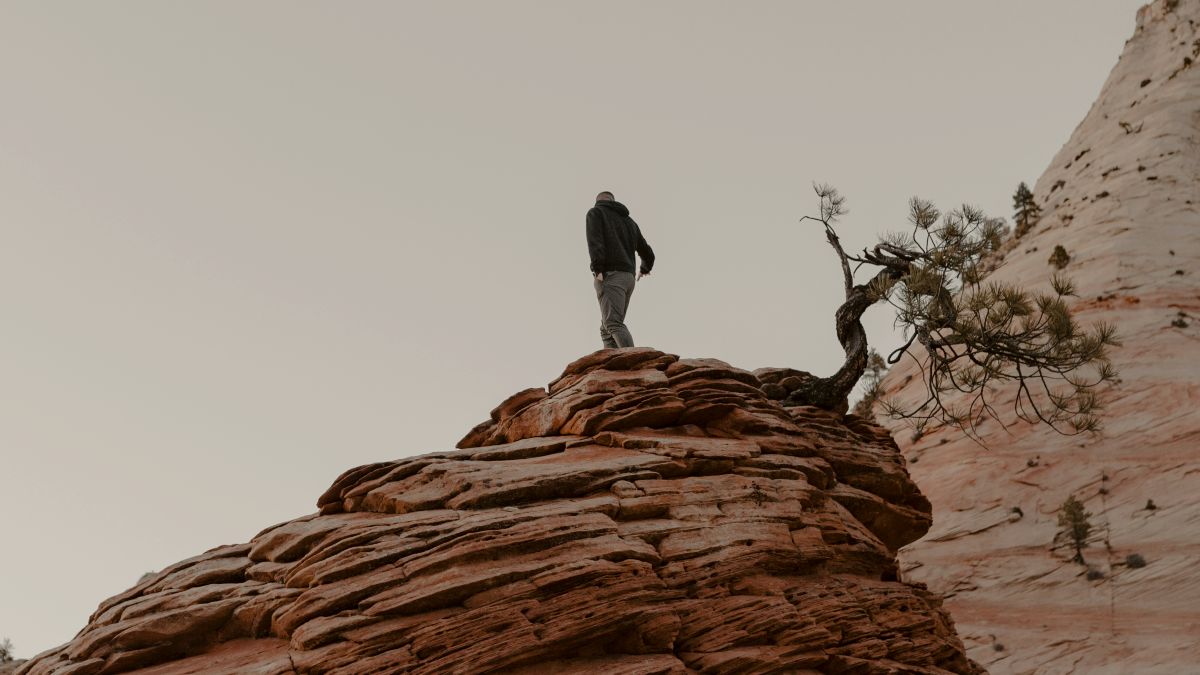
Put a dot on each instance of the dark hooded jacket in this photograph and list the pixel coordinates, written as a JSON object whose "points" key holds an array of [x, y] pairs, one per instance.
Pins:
{"points": [[613, 238]]}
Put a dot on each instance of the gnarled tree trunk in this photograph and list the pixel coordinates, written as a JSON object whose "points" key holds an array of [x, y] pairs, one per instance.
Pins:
{"points": [[833, 392]]}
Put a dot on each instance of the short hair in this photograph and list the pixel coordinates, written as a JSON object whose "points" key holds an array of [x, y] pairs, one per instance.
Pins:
{"points": [[605, 196]]}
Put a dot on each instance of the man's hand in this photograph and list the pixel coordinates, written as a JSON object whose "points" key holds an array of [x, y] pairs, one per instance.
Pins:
{"points": [[642, 274], [600, 277]]}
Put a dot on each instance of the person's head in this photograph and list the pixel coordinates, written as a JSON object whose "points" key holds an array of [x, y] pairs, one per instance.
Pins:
{"points": [[605, 196]]}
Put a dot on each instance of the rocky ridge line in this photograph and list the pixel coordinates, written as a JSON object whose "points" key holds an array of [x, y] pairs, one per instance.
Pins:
{"points": [[643, 514]]}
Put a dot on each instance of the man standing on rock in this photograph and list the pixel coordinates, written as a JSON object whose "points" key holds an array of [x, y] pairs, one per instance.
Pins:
{"points": [[612, 239]]}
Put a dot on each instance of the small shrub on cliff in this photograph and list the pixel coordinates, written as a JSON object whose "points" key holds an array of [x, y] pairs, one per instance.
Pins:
{"points": [[966, 336], [1073, 520], [5, 651], [1059, 258], [1026, 211], [1135, 561]]}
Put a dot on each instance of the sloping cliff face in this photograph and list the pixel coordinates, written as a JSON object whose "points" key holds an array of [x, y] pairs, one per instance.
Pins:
{"points": [[644, 514], [1123, 198]]}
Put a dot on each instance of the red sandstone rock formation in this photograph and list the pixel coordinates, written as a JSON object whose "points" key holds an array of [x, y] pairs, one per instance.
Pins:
{"points": [[1123, 198], [645, 514]]}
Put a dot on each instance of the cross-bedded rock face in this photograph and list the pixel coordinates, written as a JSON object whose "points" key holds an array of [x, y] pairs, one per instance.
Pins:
{"points": [[1122, 197], [644, 514]]}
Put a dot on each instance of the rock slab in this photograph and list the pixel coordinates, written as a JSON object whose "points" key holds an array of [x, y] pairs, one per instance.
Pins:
{"points": [[642, 514]]}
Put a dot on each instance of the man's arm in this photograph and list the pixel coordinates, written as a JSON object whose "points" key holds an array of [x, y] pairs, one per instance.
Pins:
{"points": [[645, 252], [595, 240]]}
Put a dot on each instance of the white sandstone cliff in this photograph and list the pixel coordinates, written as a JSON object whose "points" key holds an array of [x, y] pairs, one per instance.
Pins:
{"points": [[1123, 198]]}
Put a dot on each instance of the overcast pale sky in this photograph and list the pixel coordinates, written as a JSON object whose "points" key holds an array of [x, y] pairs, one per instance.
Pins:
{"points": [[246, 246]]}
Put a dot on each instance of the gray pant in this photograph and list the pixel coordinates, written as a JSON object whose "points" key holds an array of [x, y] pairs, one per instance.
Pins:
{"points": [[614, 293]]}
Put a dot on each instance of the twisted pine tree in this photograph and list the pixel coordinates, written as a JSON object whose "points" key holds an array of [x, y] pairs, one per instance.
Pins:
{"points": [[967, 336]]}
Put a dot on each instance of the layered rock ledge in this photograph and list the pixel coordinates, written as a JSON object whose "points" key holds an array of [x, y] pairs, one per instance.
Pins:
{"points": [[642, 514]]}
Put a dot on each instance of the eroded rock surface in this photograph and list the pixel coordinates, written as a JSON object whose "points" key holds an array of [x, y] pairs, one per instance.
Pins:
{"points": [[643, 514], [1122, 197]]}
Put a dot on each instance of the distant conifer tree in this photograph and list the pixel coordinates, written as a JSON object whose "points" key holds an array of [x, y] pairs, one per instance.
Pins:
{"points": [[1073, 520], [1059, 258], [5, 651], [1026, 210]]}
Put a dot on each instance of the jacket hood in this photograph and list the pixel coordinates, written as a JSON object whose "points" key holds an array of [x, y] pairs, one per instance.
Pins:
{"points": [[615, 206]]}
